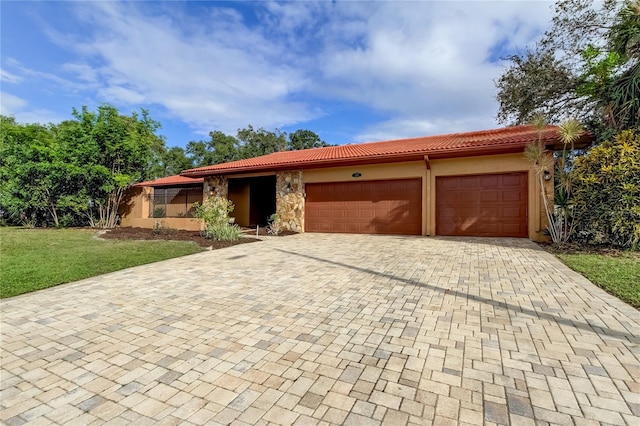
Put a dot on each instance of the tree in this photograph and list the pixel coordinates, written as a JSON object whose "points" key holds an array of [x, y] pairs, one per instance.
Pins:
{"points": [[305, 139], [170, 162], [220, 148], [585, 66], [113, 152], [254, 143], [34, 177]]}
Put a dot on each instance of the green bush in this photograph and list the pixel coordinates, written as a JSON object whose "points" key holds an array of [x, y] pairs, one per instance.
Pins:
{"points": [[226, 232], [606, 193], [214, 211]]}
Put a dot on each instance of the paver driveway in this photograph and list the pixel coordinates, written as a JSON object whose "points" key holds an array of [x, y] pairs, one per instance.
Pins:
{"points": [[326, 329]]}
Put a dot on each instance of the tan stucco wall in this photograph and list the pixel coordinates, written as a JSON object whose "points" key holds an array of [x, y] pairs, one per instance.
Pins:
{"points": [[136, 214], [240, 196], [445, 167], [414, 169], [135, 205], [491, 164]]}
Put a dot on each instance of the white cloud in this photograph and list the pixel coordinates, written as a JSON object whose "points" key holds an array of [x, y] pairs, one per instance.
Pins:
{"points": [[7, 77], [11, 105], [427, 66]]}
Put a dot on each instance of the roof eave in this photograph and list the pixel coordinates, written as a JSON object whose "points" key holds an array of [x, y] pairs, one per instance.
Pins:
{"points": [[376, 159]]}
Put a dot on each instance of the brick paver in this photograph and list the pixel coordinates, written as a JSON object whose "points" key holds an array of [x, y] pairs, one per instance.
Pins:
{"points": [[326, 329]]}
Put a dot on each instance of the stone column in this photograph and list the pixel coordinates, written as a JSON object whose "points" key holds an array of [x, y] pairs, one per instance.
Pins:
{"points": [[216, 186], [290, 200]]}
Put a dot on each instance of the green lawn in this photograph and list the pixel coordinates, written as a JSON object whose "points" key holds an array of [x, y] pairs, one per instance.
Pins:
{"points": [[619, 275], [32, 259]]}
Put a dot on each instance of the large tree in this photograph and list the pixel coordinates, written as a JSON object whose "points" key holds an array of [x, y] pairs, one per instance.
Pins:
{"points": [[585, 66], [248, 143]]}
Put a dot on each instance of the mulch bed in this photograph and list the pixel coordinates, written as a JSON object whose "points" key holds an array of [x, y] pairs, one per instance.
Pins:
{"points": [[575, 248], [171, 235]]}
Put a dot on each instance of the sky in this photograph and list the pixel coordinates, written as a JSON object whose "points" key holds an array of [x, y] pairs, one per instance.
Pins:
{"points": [[351, 71]]}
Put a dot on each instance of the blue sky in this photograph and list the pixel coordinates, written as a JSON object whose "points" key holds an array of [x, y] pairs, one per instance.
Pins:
{"points": [[351, 71]]}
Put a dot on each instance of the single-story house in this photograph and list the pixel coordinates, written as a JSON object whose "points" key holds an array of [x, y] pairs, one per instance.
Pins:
{"points": [[474, 184], [167, 202], [463, 184]]}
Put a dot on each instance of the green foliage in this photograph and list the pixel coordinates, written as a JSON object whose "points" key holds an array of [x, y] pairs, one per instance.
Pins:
{"points": [[606, 193], [33, 259], [75, 172], [586, 66], [214, 211], [305, 139], [226, 232], [249, 143], [274, 227]]}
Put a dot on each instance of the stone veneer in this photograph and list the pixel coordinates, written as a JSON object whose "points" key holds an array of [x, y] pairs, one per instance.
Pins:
{"points": [[290, 200], [216, 186]]}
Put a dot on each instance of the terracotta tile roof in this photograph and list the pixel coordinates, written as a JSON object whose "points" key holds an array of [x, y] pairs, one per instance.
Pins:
{"points": [[509, 139], [171, 180]]}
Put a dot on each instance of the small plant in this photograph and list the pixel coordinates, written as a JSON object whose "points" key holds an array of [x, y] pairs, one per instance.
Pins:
{"points": [[274, 227], [223, 232], [158, 212], [160, 229], [218, 225]]}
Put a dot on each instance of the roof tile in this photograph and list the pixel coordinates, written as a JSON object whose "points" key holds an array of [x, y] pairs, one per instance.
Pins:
{"points": [[504, 138]]}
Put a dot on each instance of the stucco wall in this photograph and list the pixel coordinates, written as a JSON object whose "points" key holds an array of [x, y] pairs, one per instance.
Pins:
{"points": [[446, 167], [239, 194], [135, 205], [492, 164], [414, 169], [134, 212]]}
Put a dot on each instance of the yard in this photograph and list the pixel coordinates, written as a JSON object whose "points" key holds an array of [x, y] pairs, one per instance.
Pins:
{"points": [[617, 273], [33, 259]]}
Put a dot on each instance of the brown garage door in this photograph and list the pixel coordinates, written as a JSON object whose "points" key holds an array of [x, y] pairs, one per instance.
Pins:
{"points": [[372, 207], [493, 205]]}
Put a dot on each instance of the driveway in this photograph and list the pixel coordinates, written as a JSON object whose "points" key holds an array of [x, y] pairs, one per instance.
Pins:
{"points": [[331, 329]]}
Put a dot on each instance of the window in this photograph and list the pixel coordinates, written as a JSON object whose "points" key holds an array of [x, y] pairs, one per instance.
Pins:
{"points": [[174, 201]]}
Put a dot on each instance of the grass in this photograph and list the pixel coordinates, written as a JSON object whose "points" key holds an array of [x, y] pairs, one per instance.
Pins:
{"points": [[617, 274], [33, 259]]}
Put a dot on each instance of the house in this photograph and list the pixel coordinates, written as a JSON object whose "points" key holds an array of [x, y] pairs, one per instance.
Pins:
{"points": [[464, 184], [167, 201]]}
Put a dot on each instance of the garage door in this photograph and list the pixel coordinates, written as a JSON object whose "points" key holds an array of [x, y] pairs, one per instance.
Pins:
{"points": [[492, 205], [372, 207]]}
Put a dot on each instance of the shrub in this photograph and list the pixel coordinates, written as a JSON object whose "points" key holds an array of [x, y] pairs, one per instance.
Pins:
{"points": [[606, 193], [215, 213], [274, 227], [226, 232]]}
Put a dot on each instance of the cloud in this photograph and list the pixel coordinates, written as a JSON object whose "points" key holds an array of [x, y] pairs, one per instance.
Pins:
{"points": [[7, 77], [11, 105], [427, 67], [428, 62]]}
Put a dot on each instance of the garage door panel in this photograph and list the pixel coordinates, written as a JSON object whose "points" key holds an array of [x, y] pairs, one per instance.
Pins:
{"points": [[379, 207], [482, 205]]}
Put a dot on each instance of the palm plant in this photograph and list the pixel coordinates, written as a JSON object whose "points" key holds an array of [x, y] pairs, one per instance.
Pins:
{"points": [[559, 217]]}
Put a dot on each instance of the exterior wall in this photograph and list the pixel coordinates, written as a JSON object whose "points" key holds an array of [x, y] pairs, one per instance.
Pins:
{"points": [[503, 163], [414, 169], [134, 212], [216, 186], [240, 196], [135, 205], [290, 200], [492, 164]]}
